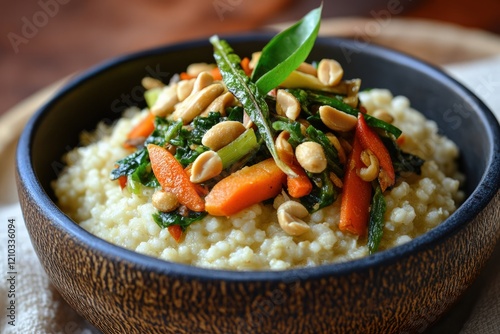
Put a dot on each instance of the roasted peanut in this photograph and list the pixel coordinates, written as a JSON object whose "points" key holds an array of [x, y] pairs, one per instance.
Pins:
{"points": [[204, 79], [289, 218], [247, 121], [311, 156], [184, 89], [166, 101], [150, 83], [307, 68], [196, 68], [164, 201], [304, 124], [222, 134], [336, 143], [206, 166], [283, 147], [255, 59], [191, 107], [336, 119], [287, 105], [371, 171], [220, 104], [330, 72]]}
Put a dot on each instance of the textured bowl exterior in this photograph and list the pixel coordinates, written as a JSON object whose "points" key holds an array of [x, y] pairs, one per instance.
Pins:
{"points": [[403, 290]]}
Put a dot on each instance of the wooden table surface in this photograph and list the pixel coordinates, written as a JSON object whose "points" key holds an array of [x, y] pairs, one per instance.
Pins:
{"points": [[46, 40]]}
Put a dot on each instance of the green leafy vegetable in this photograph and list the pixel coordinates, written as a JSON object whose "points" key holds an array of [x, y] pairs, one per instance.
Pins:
{"points": [[403, 162], [129, 164], [286, 51], [166, 219], [376, 223], [323, 193], [293, 128], [247, 93]]}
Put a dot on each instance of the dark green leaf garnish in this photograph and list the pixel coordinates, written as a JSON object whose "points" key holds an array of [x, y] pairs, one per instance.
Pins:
{"points": [[323, 193], [129, 164], [376, 223], [286, 51], [166, 219], [403, 162], [247, 93]]}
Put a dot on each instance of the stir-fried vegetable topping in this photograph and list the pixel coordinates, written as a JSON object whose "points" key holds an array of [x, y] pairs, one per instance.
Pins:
{"points": [[241, 132]]}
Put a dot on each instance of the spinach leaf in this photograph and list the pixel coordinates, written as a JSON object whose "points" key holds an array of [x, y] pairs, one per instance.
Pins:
{"points": [[235, 114], [322, 194], [403, 162], [286, 51], [248, 94], [145, 176], [376, 223], [166, 219], [129, 164], [292, 127]]}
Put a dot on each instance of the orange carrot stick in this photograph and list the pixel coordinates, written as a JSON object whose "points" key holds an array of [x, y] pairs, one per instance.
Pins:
{"points": [[175, 231], [356, 195], [215, 72], [370, 140], [173, 178], [300, 185], [122, 180], [244, 188], [185, 76], [245, 65], [142, 130]]}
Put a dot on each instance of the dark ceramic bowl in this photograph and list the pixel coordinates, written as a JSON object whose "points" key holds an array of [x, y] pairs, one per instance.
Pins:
{"points": [[406, 288]]}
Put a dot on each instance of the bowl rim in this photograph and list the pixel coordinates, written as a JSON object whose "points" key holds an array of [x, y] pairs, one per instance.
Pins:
{"points": [[471, 207]]}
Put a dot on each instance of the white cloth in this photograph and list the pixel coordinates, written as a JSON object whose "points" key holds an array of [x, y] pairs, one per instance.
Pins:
{"points": [[40, 309]]}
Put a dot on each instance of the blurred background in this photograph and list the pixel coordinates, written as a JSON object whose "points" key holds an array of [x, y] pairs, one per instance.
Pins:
{"points": [[46, 40]]}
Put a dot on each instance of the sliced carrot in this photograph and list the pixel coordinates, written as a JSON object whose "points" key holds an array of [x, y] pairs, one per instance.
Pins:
{"points": [[248, 186], [173, 178], [122, 180], [142, 130], [300, 185], [245, 65], [185, 76], [356, 195], [401, 140], [215, 72], [176, 232], [370, 140]]}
